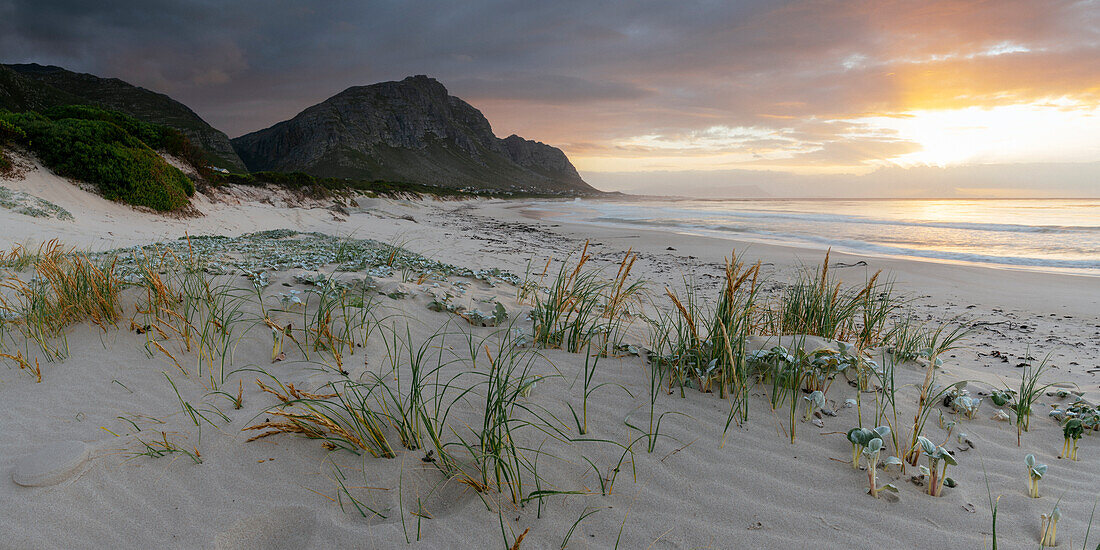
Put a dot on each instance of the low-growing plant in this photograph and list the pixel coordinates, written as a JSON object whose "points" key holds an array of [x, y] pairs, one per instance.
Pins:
{"points": [[157, 448], [871, 451], [814, 403], [1049, 529], [1035, 472], [967, 405], [826, 365], [861, 437], [342, 420], [1003, 397], [933, 473], [929, 398], [1072, 429]]}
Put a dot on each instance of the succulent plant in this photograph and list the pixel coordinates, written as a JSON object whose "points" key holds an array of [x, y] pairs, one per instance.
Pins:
{"points": [[1073, 429], [933, 472], [814, 403], [1035, 472], [946, 424], [1087, 414], [290, 299], [825, 365], [1050, 528], [1001, 397], [861, 437], [871, 451], [967, 405]]}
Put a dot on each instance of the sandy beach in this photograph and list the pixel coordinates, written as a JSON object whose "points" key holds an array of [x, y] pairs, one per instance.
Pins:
{"points": [[78, 436]]}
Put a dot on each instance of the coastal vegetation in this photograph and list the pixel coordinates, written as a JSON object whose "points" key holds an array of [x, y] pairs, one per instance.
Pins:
{"points": [[115, 152], [122, 157], [321, 187], [9, 134], [468, 399]]}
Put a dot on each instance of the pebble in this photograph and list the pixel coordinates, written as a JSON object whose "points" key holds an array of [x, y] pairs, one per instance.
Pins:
{"points": [[51, 464]]}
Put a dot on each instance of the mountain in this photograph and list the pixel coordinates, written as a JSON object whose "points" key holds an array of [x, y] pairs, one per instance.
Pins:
{"points": [[18, 93], [411, 131], [35, 87]]}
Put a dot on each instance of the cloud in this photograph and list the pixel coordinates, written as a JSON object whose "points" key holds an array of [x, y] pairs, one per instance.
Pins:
{"points": [[593, 77], [1007, 180], [547, 88]]}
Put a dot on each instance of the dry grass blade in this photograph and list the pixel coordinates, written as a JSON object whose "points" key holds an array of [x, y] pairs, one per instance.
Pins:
{"points": [[519, 539], [24, 364], [346, 422], [688, 318], [170, 356]]}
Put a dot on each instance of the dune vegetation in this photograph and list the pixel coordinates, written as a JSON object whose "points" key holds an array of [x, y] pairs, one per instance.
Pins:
{"points": [[465, 397], [115, 152]]}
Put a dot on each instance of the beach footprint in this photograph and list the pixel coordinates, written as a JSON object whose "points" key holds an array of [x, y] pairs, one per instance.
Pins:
{"points": [[51, 464]]}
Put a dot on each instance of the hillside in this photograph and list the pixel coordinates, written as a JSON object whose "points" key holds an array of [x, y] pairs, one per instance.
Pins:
{"points": [[410, 131], [112, 151], [37, 87]]}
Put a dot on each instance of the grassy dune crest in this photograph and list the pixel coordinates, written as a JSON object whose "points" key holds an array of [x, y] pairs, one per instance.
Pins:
{"points": [[110, 150]]}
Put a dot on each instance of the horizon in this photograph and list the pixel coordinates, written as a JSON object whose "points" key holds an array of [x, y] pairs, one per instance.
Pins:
{"points": [[799, 97]]}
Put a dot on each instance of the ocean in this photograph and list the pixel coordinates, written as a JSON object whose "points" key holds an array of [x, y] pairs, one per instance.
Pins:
{"points": [[1060, 235]]}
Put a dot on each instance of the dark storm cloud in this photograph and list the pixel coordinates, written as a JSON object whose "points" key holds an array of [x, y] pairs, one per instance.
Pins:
{"points": [[547, 88], [219, 57], [583, 73]]}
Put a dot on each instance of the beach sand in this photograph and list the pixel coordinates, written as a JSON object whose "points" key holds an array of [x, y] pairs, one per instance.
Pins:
{"points": [[77, 432]]}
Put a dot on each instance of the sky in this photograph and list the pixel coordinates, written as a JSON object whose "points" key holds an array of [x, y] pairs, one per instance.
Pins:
{"points": [[704, 96]]}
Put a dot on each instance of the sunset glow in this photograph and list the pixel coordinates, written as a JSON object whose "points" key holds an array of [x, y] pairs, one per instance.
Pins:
{"points": [[1001, 134], [794, 87]]}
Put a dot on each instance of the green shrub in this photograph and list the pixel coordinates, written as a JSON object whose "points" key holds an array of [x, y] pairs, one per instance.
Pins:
{"points": [[10, 133], [319, 187], [109, 150]]}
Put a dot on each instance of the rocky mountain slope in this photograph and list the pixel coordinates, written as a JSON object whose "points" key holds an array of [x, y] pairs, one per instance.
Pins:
{"points": [[36, 87], [411, 131]]}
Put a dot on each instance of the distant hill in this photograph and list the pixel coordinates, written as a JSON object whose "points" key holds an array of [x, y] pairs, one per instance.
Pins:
{"points": [[38, 87], [409, 131]]}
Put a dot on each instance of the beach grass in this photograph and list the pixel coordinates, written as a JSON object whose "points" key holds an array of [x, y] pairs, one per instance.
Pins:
{"points": [[463, 398]]}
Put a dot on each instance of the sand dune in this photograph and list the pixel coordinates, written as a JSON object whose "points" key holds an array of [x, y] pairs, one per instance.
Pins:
{"points": [[701, 487]]}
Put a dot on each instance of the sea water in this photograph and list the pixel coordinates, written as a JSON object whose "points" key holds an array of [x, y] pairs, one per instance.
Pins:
{"points": [[1043, 234]]}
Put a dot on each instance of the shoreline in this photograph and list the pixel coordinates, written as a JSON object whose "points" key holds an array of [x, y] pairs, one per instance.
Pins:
{"points": [[569, 211], [1069, 287]]}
